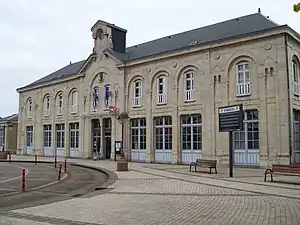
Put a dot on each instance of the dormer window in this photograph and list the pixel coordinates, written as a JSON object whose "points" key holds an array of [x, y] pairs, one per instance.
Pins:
{"points": [[29, 108], [60, 104], [47, 106], [137, 93], [161, 90], [189, 88]]}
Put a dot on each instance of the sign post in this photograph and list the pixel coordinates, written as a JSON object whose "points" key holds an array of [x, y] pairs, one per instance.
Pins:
{"points": [[230, 120]]}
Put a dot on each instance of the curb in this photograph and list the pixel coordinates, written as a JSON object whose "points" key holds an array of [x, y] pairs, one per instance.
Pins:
{"points": [[112, 177], [26, 161]]}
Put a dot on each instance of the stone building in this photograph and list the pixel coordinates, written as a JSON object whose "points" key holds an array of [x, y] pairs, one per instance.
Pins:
{"points": [[171, 89], [9, 133]]}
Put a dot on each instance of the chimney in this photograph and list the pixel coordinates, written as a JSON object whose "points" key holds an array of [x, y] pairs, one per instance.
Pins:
{"points": [[70, 63], [259, 10]]}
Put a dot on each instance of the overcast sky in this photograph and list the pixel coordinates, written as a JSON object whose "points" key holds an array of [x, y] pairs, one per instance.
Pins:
{"points": [[38, 37]]}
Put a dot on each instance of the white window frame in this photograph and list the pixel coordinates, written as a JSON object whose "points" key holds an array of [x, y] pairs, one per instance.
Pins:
{"points": [[137, 93], [60, 104], [74, 101], [104, 103], [189, 91], [296, 77], [243, 87], [47, 106], [74, 135], [29, 108], [161, 96], [29, 136], [60, 135], [94, 108], [48, 136]]}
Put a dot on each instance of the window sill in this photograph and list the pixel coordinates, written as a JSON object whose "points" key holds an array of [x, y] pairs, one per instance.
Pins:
{"points": [[190, 101], [162, 104], [243, 95], [136, 106]]}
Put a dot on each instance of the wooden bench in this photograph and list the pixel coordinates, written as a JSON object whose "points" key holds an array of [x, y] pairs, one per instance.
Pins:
{"points": [[3, 154], [289, 170], [211, 164]]}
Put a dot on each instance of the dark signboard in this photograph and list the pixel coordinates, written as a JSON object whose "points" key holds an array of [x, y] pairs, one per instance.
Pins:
{"points": [[231, 118]]}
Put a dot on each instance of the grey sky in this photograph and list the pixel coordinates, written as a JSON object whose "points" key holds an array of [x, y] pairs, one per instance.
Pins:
{"points": [[38, 37]]}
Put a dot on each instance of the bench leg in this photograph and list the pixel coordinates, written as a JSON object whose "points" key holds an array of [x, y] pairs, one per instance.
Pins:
{"points": [[216, 170], [195, 168], [210, 170], [268, 171]]}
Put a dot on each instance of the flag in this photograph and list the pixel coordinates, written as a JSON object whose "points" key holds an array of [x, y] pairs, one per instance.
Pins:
{"points": [[107, 94], [95, 97]]}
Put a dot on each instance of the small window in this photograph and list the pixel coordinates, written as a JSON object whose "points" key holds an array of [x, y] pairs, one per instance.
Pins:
{"points": [[60, 104], [47, 106], [137, 93], [161, 90], [189, 89], [243, 79], [74, 101], [29, 108]]}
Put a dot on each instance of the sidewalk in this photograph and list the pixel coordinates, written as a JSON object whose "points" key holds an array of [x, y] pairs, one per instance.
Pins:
{"points": [[170, 194]]}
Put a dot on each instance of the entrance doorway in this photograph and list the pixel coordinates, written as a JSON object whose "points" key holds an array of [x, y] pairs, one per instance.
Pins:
{"points": [[107, 137], [96, 137]]}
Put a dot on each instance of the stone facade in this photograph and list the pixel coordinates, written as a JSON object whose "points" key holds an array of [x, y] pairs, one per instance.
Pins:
{"points": [[194, 82]]}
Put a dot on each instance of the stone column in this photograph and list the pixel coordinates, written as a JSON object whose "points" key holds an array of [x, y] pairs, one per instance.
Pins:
{"points": [[53, 136], [102, 155], [113, 137], [175, 138], [67, 139], [149, 137], [82, 135]]}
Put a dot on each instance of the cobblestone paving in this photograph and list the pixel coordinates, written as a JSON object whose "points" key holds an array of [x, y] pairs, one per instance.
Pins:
{"points": [[148, 196]]}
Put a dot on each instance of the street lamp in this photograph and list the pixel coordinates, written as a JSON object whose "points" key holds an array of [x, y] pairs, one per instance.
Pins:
{"points": [[122, 117]]}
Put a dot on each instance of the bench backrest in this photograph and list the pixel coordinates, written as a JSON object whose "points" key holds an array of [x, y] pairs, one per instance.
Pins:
{"points": [[206, 161], [286, 168]]}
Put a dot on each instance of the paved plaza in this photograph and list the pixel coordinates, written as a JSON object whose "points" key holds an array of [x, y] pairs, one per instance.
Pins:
{"points": [[170, 194]]}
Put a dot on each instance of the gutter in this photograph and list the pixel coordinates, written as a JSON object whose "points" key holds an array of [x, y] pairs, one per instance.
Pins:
{"points": [[289, 99]]}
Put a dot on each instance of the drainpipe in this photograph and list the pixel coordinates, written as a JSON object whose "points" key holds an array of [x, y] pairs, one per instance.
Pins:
{"points": [[289, 98]]}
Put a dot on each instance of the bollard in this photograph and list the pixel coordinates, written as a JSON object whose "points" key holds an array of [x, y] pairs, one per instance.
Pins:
{"points": [[55, 162], [59, 172], [9, 157], [65, 165], [35, 159], [23, 180]]}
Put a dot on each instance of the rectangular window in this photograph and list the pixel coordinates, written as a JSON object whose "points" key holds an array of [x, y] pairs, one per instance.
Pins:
{"points": [[243, 82], [137, 93], [29, 136], [189, 88], [47, 136], [74, 135], [60, 135], [191, 132], [161, 90], [138, 133], [163, 133]]}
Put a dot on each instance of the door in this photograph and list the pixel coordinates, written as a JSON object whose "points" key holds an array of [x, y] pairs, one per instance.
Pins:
{"points": [[48, 151], [29, 140], [246, 142], [96, 138], [191, 138], [107, 147], [163, 139], [138, 140]]}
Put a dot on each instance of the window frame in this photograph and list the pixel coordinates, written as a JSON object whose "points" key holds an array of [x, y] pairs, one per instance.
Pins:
{"points": [[137, 98], [161, 97], [60, 135], [74, 101], [47, 105], [47, 131], [29, 108], [243, 88], [189, 93]]}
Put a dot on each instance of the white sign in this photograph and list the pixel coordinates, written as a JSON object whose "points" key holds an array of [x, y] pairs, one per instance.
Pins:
{"points": [[229, 109]]}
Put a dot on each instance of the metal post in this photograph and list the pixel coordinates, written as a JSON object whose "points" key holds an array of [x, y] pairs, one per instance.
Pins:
{"points": [[59, 172], [65, 165], [9, 157], [23, 179], [35, 159], [230, 154], [122, 143], [55, 161]]}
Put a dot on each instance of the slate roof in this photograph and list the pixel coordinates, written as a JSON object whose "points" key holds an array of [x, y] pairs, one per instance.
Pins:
{"points": [[11, 118], [209, 34]]}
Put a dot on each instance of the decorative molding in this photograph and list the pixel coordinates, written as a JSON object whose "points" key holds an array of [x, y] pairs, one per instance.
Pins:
{"points": [[268, 46], [216, 56], [174, 64]]}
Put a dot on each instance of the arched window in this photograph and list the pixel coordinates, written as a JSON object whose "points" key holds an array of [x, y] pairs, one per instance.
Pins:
{"points": [[107, 95], [29, 108], [74, 101], [296, 78], [59, 104], [137, 93], [243, 79], [161, 90], [189, 85], [95, 97], [47, 106]]}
